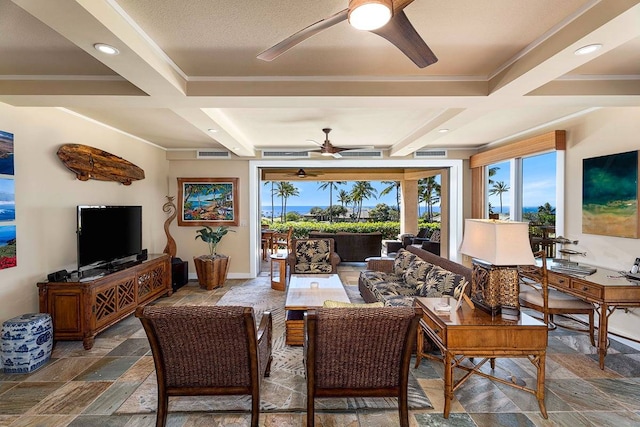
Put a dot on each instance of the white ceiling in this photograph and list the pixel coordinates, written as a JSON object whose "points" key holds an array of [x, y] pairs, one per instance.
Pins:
{"points": [[506, 68]]}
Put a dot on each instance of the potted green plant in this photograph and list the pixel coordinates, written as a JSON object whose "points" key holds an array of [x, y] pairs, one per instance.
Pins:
{"points": [[212, 269]]}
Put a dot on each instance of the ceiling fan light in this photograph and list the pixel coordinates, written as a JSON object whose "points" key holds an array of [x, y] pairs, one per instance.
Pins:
{"points": [[326, 154], [369, 14], [301, 173]]}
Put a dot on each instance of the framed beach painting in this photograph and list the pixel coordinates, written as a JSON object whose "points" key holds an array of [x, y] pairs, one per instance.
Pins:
{"points": [[610, 195], [208, 201]]}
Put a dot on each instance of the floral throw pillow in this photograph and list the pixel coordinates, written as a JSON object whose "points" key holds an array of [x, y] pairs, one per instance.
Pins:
{"points": [[416, 272], [439, 282], [313, 251], [402, 261]]}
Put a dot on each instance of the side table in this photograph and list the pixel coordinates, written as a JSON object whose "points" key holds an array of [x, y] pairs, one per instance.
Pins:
{"points": [[278, 272]]}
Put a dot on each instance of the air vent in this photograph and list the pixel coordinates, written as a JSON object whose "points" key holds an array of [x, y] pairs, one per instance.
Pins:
{"points": [[283, 154], [430, 153], [376, 154], [212, 154]]}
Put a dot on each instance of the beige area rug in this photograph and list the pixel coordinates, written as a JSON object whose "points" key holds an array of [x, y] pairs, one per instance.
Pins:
{"points": [[285, 389]]}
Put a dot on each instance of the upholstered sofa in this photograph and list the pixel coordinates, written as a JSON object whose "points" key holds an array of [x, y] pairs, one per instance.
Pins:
{"points": [[414, 272], [353, 247]]}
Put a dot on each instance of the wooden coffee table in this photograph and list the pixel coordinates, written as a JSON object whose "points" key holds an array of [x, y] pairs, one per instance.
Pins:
{"points": [[307, 291], [468, 333]]}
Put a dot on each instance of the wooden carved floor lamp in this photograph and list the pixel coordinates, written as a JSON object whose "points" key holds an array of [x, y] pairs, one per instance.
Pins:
{"points": [[170, 207], [179, 268]]}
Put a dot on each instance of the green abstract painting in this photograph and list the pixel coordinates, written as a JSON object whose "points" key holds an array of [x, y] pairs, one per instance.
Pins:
{"points": [[610, 195]]}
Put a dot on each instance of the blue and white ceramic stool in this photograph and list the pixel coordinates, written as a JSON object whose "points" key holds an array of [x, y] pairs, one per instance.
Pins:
{"points": [[27, 341]]}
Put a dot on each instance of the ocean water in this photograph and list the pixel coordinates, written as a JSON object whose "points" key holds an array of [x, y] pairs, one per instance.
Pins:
{"points": [[7, 212]]}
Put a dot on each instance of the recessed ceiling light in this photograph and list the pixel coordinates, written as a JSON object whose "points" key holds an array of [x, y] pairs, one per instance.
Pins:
{"points": [[213, 130], [590, 48], [443, 130], [236, 148], [105, 48]]}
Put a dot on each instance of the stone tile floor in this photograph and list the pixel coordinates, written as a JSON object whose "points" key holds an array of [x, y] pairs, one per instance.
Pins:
{"points": [[85, 388]]}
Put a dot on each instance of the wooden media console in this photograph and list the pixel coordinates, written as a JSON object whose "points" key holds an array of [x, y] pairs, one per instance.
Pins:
{"points": [[82, 309]]}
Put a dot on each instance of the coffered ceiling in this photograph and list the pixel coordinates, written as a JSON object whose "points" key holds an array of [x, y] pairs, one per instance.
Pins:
{"points": [[506, 68]]}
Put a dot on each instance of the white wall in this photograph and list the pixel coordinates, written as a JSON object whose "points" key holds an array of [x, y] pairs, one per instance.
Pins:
{"points": [[235, 244], [47, 195], [602, 132]]}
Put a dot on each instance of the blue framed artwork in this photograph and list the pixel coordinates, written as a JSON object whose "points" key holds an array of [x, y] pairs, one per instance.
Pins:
{"points": [[610, 195], [7, 200], [6, 153]]}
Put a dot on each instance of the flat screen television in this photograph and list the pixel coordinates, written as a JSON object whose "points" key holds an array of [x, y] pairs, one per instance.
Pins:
{"points": [[107, 234]]}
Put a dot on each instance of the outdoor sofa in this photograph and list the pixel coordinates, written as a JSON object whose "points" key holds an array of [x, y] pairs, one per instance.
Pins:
{"points": [[353, 247]]}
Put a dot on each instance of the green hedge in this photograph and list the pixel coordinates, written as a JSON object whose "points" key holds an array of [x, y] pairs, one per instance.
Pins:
{"points": [[389, 230]]}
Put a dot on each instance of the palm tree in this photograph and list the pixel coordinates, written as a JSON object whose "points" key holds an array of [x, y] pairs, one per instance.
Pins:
{"points": [[497, 189], [331, 185], [344, 198], [392, 185], [429, 192], [285, 190], [492, 172], [273, 190], [362, 190]]}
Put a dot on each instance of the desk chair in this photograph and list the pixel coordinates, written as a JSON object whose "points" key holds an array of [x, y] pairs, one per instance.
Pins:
{"points": [[536, 295]]}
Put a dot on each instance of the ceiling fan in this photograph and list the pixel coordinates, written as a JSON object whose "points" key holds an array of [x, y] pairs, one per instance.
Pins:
{"points": [[301, 173], [385, 18], [328, 149]]}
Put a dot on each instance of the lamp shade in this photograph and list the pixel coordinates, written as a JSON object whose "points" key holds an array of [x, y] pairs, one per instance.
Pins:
{"points": [[497, 242]]}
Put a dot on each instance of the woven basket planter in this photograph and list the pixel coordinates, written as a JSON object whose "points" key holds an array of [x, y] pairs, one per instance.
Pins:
{"points": [[212, 272]]}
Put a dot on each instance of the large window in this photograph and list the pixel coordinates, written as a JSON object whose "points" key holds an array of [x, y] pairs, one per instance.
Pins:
{"points": [[523, 189], [539, 188], [498, 190]]}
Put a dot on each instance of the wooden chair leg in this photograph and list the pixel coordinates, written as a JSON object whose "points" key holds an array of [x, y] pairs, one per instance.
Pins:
{"points": [[403, 407], [591, 329], [311, 422], [163, 408], [255, 409]]}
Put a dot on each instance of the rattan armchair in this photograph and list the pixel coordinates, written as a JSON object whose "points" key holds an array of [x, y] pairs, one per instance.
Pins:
{"points": [[309, 256], [359, 352], [207, 350], [536, 295]]}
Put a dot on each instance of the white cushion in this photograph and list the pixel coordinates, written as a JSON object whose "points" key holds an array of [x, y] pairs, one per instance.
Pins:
{"points": [[556, 300]]}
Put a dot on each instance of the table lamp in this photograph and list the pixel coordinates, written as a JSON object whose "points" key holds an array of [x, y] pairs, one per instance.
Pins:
{"points": [[497, 248]]}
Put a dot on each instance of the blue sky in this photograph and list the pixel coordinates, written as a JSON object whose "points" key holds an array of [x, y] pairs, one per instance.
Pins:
{"points": [[539, 181], [539, 187]]}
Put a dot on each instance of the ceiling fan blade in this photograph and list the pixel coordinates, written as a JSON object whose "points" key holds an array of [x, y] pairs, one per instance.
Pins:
{"points": [[398, 5], [313, 29], [401, 33]]}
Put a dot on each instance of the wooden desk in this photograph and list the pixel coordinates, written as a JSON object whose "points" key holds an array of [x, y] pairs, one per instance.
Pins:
{"points": [[471, 333], [606, 290]]}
